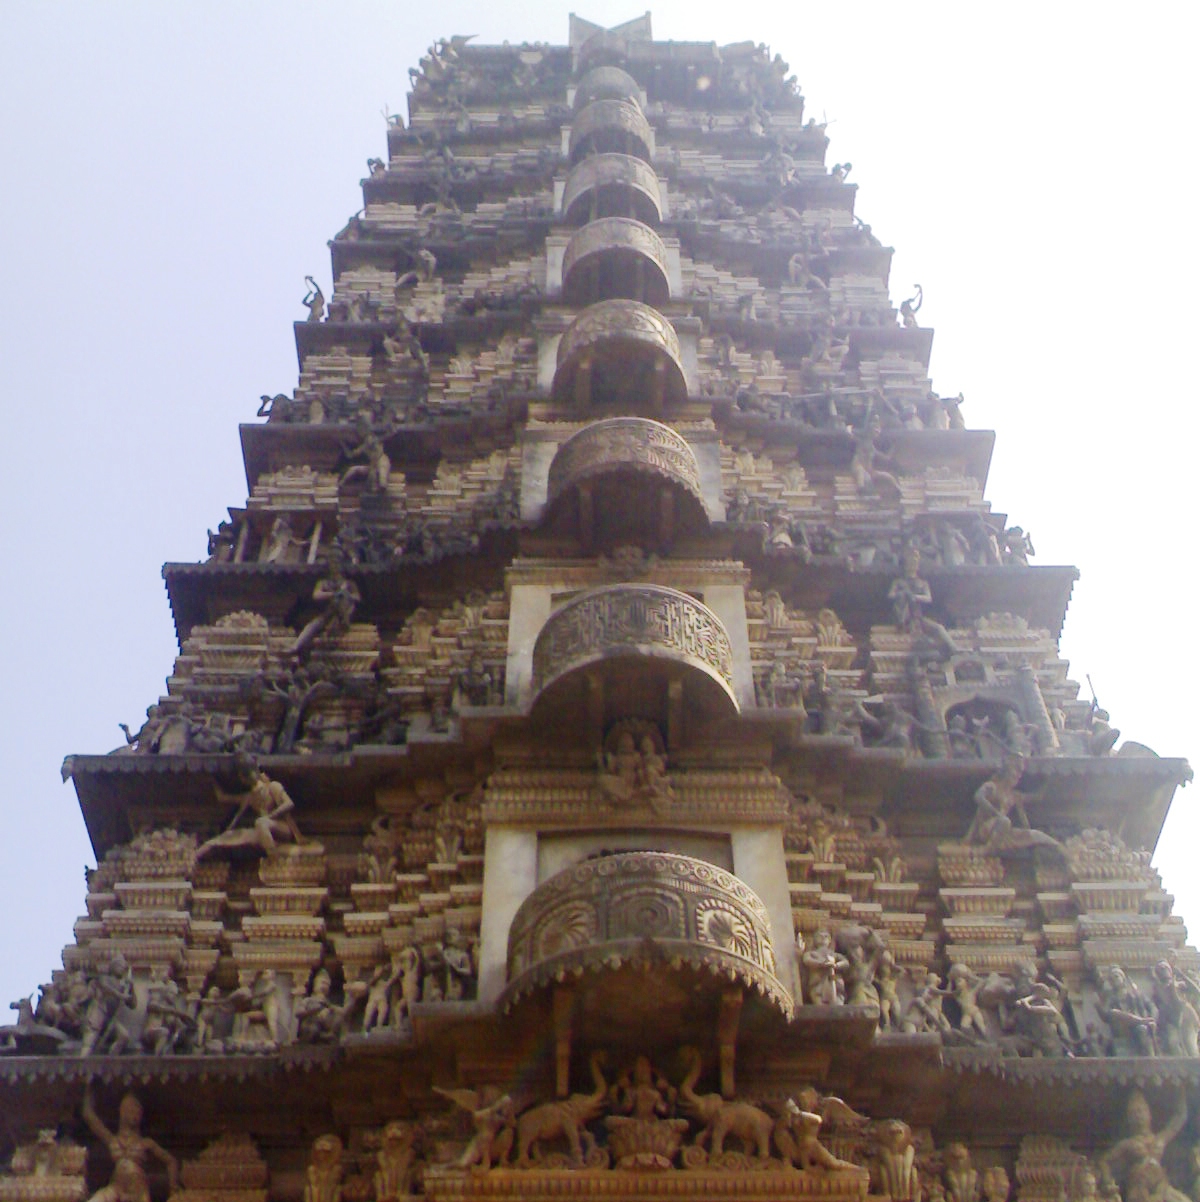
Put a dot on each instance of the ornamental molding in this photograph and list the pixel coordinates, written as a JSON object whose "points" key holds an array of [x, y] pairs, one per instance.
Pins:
{"points": [[610, 122], [646, 569], [624, 443], [612, 170], [633, 620], [642, 908]]}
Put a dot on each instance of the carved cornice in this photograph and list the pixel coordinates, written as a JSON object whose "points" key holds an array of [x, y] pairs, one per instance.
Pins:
{"points": [[631, 175], [460, 1185], [624, 443], [640, 620], [610, 125], [547, 798], [642, 907], [586, 573]]}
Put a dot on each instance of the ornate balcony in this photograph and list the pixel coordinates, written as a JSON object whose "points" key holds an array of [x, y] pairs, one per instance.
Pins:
{"points": [[615, 257], [641, 908], [612, 185], [607, 83], [665, 632], [626, 478], [620, 353], [611, 126]]}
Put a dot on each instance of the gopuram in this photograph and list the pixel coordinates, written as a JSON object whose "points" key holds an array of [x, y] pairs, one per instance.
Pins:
{"points": [[615, 751]]}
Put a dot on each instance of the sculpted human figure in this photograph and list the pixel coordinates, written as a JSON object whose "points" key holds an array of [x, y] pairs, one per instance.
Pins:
{"points": [[272, 808], [911, 307], [338, 598], [1143, 1145], [110, 995], [460, 973], [795, 1136], [1001, 823], [822, 964], [314, 300], [910, 595], [1130, 1015], [130, 1151], [377, 470], [964, 988], [925, 1012], [1178, 1021]]}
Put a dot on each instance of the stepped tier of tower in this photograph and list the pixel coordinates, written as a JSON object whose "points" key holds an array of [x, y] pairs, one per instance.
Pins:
{"points": [[615, 686]]}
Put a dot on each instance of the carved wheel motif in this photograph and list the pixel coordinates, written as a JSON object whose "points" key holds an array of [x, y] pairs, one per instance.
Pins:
{"points": [[641, 619], [624, 908]]}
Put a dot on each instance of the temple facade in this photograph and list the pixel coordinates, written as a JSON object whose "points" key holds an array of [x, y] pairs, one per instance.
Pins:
{"points": [[615, 750]]}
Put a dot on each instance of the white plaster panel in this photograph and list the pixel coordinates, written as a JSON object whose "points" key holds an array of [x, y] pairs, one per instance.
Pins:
{"points": [[547, 357], [674, 270], [728, 602], [556, 246], [528, 611], [759, 861], [689, 355], [560, 186], [509, 877], [536, 457], [708, 459]]}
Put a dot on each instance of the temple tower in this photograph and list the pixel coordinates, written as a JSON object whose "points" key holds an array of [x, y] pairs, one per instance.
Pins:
{"points": [[616, 749]]}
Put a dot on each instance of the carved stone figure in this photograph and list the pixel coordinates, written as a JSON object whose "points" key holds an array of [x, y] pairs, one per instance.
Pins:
{"points": [[273, 823], [377, 470], [795, 1134], [1130, 1015], [893, 1165], [1001, 823], [721, 1118], [958, 1174], [169, 1018], [460, 972], [924, 1012], [911, 307], [130, 1151], [1178, 1021], [493, 1117], [338, 598], [822, 966], [323, 1177], [111, 1003], [396, 1172], [566, 1119], [995, 1184], [314, 300], [1143, 1145]]}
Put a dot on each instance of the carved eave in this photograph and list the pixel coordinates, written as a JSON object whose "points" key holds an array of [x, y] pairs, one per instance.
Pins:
{"points": [[202, 593], [416, 185], [140, 1070], [419, 444], [765, 254], [378, 246], [866, 342]]}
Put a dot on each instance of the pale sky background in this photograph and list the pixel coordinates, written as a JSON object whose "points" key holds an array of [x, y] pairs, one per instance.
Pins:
{"points": [[171, 173]]}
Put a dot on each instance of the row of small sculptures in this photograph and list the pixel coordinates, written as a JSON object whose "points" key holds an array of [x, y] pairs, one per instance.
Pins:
{"points": [[640, 1121], [1021, 1012], [104, 1011]]}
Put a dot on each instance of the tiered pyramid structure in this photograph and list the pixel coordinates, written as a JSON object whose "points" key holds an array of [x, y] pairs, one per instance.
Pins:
{"points": [[616, 750]]}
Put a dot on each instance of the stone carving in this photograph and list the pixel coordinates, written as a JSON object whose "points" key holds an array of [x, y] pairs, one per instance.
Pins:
{"points": [[911, 307], [624, 443], [566, 1119], [645, 1135], [823, 966], [633, 176], [959, 1175], [720, 1118], [338, 598], [1134, 1162], [611, 238], [796, 1139], [645, 617], [396, 1172], [130, 1151], [1001, 823], [893, 1164], [910, 595], [314, 300], [1130, 1015], [48, 1169], [607, 125], [632, 769], [323, 1177], [493, 1116], [1178, 1021], [272, 823], [612, 910]]}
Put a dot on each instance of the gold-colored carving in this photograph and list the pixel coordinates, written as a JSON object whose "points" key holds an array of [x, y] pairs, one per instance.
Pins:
{"points": [[621, 908], [624, 443], [46, 1170], [565, 1119], [634, 620], [130, 1151]]}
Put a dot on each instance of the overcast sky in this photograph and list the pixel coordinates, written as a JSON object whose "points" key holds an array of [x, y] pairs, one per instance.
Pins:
{"points": [[171, 173]]}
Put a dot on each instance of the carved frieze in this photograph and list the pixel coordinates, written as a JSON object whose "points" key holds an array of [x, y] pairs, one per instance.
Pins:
{"points": [[608, 125], [627, 180], [616, 241], [611, 910], [633, 620]]}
